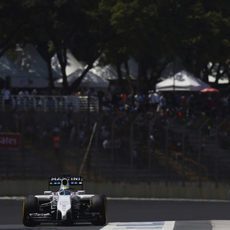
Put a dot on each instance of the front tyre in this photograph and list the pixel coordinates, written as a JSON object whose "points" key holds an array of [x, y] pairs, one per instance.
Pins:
{"points": [[98, 204], [30, 205]]}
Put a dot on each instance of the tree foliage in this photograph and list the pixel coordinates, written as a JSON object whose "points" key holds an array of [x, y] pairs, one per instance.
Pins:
{"points": [[154, 33]]}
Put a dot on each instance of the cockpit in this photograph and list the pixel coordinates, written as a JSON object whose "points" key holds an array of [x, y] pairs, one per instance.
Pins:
{"points": [[64, 192]]}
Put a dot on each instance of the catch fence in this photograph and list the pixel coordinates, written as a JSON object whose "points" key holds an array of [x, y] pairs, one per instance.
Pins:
{"points": [[50, 103]]}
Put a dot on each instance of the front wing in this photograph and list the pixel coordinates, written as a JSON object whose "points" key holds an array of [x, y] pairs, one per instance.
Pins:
{"points": [[49, 218]]}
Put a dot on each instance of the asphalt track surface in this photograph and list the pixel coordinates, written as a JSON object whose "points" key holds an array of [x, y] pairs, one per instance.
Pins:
{"points": [[185, 213]]}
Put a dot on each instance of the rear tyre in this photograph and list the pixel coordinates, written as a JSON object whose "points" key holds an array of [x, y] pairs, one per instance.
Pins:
{"points": [[98, 204], [30, 205]]}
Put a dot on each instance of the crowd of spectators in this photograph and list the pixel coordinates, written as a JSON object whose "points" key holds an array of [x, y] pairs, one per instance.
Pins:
{"points": [[118, 109], [184, 104], [159, 109], [129, 125]]}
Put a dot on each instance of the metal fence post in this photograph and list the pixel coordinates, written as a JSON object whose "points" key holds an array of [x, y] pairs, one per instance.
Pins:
{"points": [[149, 145], [183, 159], [216, 161], [167, 152], [131, 144], [112, 139]]}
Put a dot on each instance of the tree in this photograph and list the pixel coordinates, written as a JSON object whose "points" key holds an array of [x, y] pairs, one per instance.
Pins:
{"points": [[152, 32], [50, 32], [12, 23], [92, 31]]}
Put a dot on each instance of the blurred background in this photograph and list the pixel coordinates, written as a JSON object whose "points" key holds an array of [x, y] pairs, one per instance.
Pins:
{"points": [[116, 91]]}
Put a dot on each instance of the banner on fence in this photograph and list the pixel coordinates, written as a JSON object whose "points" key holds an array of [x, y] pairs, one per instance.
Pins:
{"points": [[10, 140]]}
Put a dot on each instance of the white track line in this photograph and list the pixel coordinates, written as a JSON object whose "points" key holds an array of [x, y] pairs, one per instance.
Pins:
{"points": [[220, 225], [169, 225], [134, 226], [159, 225]]}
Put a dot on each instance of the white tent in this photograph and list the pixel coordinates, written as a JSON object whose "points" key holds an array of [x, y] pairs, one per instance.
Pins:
{"points": [[29, 70], [29, 60], [172, 68], [181, 81], [7, 67], [72, 64], [18, 77], [90, 80], [109, 72]]}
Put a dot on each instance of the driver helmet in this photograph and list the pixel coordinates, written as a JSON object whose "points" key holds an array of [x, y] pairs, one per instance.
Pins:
{"points": [[64, 184]]}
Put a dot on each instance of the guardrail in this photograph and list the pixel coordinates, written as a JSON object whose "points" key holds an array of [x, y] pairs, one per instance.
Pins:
{"points": [[50, 103]]}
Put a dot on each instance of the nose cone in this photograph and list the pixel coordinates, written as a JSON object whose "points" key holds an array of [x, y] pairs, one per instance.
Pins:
{"points": [[64, 205]]}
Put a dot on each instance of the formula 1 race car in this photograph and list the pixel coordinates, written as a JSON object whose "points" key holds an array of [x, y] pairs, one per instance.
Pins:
{"points": [[66, 206]]}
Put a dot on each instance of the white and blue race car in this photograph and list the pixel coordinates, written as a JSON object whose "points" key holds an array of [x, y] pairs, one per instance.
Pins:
{"points": [[65, 206]]}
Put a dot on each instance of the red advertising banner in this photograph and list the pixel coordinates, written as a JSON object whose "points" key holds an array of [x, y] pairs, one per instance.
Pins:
{"points": [[10, 140]]}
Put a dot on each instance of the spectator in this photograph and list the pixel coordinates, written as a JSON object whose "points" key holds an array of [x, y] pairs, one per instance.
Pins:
{"points": [[34, 92], [6, 96], [56, 140]]}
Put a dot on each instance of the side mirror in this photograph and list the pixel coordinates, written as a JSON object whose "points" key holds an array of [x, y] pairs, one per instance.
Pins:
{"points": [[47, 192]]}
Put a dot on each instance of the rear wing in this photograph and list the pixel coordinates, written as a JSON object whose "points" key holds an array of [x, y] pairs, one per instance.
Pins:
{"points": [[73, 181]]}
